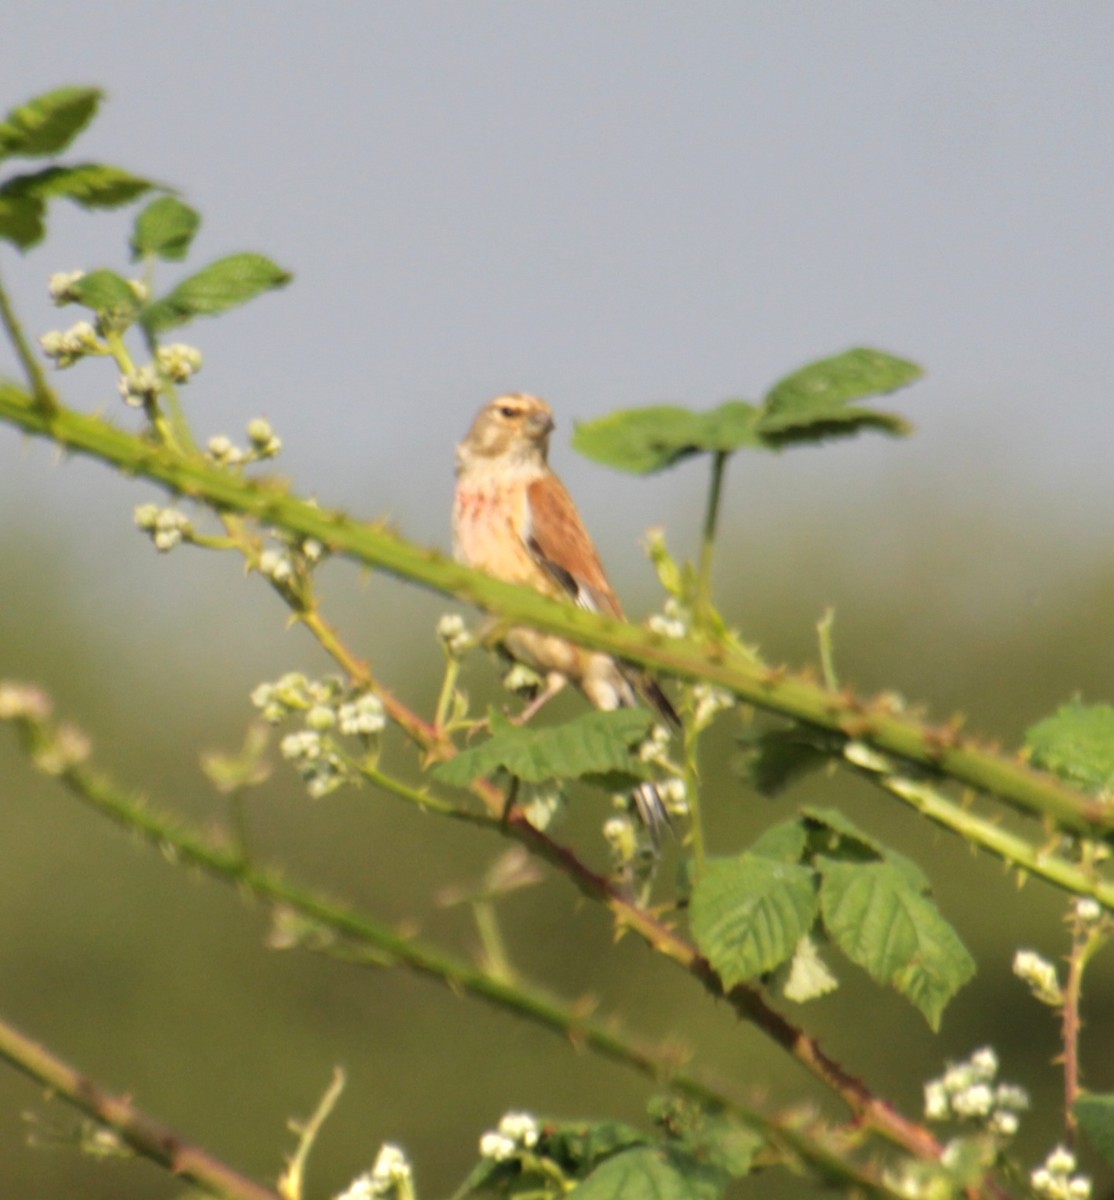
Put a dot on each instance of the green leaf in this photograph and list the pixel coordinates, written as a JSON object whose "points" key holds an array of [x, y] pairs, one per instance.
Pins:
{"points": [[23, 197], [579, 1146], [1077, 743], [105, 292], [785, 842], [836, 836], [592, 744], [643, 440], [896, 934], [47, 124], [215, 289], [92, 185], [705, 1135], [815, 402], [21, 220], [748, 914], [165, 229], [1096, 1118], [775, 760], [644, 1173]]}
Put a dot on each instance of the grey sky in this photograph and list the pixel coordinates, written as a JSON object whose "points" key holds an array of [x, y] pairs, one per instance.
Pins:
{"points": [[618, 204]]}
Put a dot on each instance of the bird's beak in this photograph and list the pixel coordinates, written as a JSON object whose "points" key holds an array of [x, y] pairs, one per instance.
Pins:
{"points": [[541, 424]]}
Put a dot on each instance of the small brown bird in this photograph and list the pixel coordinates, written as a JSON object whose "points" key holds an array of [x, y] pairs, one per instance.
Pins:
{"points": [[513, 518]]}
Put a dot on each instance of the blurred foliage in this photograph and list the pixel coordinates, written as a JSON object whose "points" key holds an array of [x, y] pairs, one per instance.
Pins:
{"points": [[166, 991]]}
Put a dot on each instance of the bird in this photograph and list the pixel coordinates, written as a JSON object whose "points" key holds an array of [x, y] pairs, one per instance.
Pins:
{"points": [[514, 519]]}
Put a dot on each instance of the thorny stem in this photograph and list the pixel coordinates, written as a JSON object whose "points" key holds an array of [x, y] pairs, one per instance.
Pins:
{"points": [[142, 1133], [1086, 938], [944, 748], [871, 1112], [190, 848], [988, 835]]}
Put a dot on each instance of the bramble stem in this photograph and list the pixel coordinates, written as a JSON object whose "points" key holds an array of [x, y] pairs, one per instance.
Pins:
{"points": [[943, 749], [145, 1135]]}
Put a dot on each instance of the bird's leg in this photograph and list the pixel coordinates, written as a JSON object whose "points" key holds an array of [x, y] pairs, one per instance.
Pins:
{"points": [[554, 682]]}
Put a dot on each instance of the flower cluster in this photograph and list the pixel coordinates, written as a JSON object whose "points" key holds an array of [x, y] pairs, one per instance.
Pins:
{"points": [[516, 1132], [285, 565], [67, 346], [56, 748], [23, 702], [141, 387], [391, 1177], [454, 635], [1055, 1179], [326, 707], [178, 362], [967, 1091], [707, 701], [263, 443], [1040, 975], [61, 286], [674, 622], [166, 527]]}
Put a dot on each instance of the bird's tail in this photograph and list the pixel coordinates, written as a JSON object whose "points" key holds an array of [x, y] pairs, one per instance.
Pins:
{"points": [[651, 809]]}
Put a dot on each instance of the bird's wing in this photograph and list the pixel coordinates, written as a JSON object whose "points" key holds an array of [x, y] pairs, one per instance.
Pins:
{"points": [[556, 536]]}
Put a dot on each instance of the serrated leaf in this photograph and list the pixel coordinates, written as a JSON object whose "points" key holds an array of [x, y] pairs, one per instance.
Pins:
{"points": [[91, 185], [785, 842], [105, 292], [815, 403], [835, 835], [165, 228], [592, 744], [748, 914], [828, 384], [894, 933], [643, 440], [1096, 1118], [21, 220], [579, 1146], [47, 124], [215, 289], [1077, 744], [645, 1173], [775, 760], [705, 1135]]}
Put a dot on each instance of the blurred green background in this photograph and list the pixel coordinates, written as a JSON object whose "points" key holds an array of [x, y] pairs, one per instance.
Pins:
{"points": [[612, 206]]}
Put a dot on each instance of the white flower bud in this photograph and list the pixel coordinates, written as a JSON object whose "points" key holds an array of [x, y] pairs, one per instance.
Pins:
{"points": [[61, 286]]}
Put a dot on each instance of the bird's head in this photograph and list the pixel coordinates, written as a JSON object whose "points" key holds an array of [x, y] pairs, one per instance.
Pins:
{"points": [[515, 427]]}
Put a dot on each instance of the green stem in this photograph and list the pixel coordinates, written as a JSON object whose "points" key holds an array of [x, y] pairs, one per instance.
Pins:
{"points": [[601, 1037], [45, 395], [40, 739], [691, 739], [987, 834], [703, 599], [827, 649], [944, 749], [146, 1136]]}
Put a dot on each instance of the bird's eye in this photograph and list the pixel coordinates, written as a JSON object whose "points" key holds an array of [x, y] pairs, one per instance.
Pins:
{"points": [[508, 412]]}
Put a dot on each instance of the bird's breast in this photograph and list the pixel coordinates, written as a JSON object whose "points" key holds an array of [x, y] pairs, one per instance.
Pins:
{"points": [[490, 521]]}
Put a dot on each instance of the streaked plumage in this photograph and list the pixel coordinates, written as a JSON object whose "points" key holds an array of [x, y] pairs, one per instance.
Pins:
{"points": [[513, 518]]}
